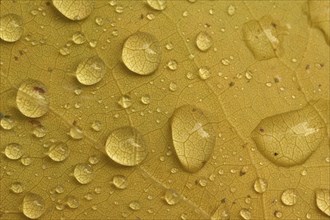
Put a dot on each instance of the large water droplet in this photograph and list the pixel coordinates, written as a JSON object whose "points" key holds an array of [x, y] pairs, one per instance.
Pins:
{"points": [[91, 70], [14, 151], [120, 181], [289, 197], [11, 27], [33, 206], [157, 4], [172, 197], [193, 137], [58, 151], [83, 173], [32, 98], [141, 53], [204, 41], [260, 185], [290, 138], [126, 146], [264, 37], [323, 200], [73, 9]]}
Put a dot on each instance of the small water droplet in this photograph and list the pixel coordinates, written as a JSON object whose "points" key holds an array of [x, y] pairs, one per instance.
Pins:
{"points": [[278, 214], [202, 182], [26, 161], [83, 173], [172, 65], [14, 151], [58, 151], [289, 197], [172, 197], [120, 181], [33, 206], [78, 38], [7, 123], [245, 214], [72, 202], [125, 101], [145, 99], [204, 41], [91, 70], [135, 205], [17, 187], [99, 21], [96, 125], [204, 72], [39, 131], [231, 10], [260, 185], [158, 5], [11, 27], [173, 86], [74, 10]]}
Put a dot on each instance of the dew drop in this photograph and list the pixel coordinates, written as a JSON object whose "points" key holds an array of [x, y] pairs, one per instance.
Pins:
{"points": [[78, 38], [202, 182], [318, 14], [90, 71], [245, 214], [72, 202], [94, 159], [145, 99], [141, 53], [7, 123], [58, 151], [322, 197], [16, 187], [83, 173], [289, 197], [135, 205], [204, 41], [193, 137], [96, 125], [125, 101], [11, 27], [278, 214], [14, 151], [39, 131], [231, 10], [26, 161], [171, 197], [172, 65], [120, 181], [33, 206], [74, 10], [288, 142], [173, 86], [204, 73], [260, 185], [126, 146], [32, 99], [76, 132], [158, 5]]}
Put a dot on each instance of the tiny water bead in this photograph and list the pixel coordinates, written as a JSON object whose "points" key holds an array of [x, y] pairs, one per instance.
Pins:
{"points": [[73, 9], [204, 41], [14, 151], [11, 27], [260, 185], [135, 205], [58, 151], [34, 206], [7, 122], [91, 70], [141, 53], [158, 5], [120, 181], [171, 197], [193, 137], [126, 146], [289, 197], [32, 98], [83, 173], [322, 197], [78, 38]]}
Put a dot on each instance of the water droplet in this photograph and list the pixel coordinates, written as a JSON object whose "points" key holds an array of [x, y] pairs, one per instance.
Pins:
{"points": [[17, 187], [204, 41], [74, 10], [58, 151], [33, 206], [119, 9], [94, 159], [78, 38], [126, 146], [96, 125], [32, 99], [120, 181], [11, 27], [145, 99], [263, 37], [260, 185], [173, 86], [231, 10], [172, 197], [318, 14], [288, 142], [91, 70], [14, 151], [135, 205], [245, 214], [193, 137], [172, 65], [72, 202], [59, 189], [169, 46], [125, 101], [83, 172], [141, 53], [26, 161], [289, 197], [204, 72], [39, 131], [99, 21], [7, 123], [278, 214], [76, 132], [157, 4], [64, 51], [323, 200]]}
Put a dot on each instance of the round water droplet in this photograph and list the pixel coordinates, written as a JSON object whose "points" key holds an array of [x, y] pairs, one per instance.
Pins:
{"points": [[17, 187], [135, 205], [126, 146], [245, 213], [7, 123], [145, 99], [26, 161], [278, 214], [193, 137], [90, 71], [172, 197], [11, 27], [72, 202], [94, 159], [58, 151], [39, 131], [204, 72], [289, 197], [172, 65], [202, 182], [157, 4], [83, 173], [286, 142], [260, 185], [78, 38], [74, 10], [125, 101], [141, 53], [231, 10], [96, 125], [120, 181], [76, 132], [323, 200], [33, 206], [14, 151], [204, 41]]}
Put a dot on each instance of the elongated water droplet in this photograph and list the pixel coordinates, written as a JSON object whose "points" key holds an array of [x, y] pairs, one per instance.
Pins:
{"points": [[288, 139], [90, 71], [11, 27], [323, 200], [126, 146], [17, 187], [7, 123], [204, 41], [120, 181], [289, 197], [74, 10], [193, 137], [135, 205], [33, 206], [58, 151], [172, 197], [260, 185], [141, 53], [32, 98], [83, 173], [157, 4], [14, 151]]}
